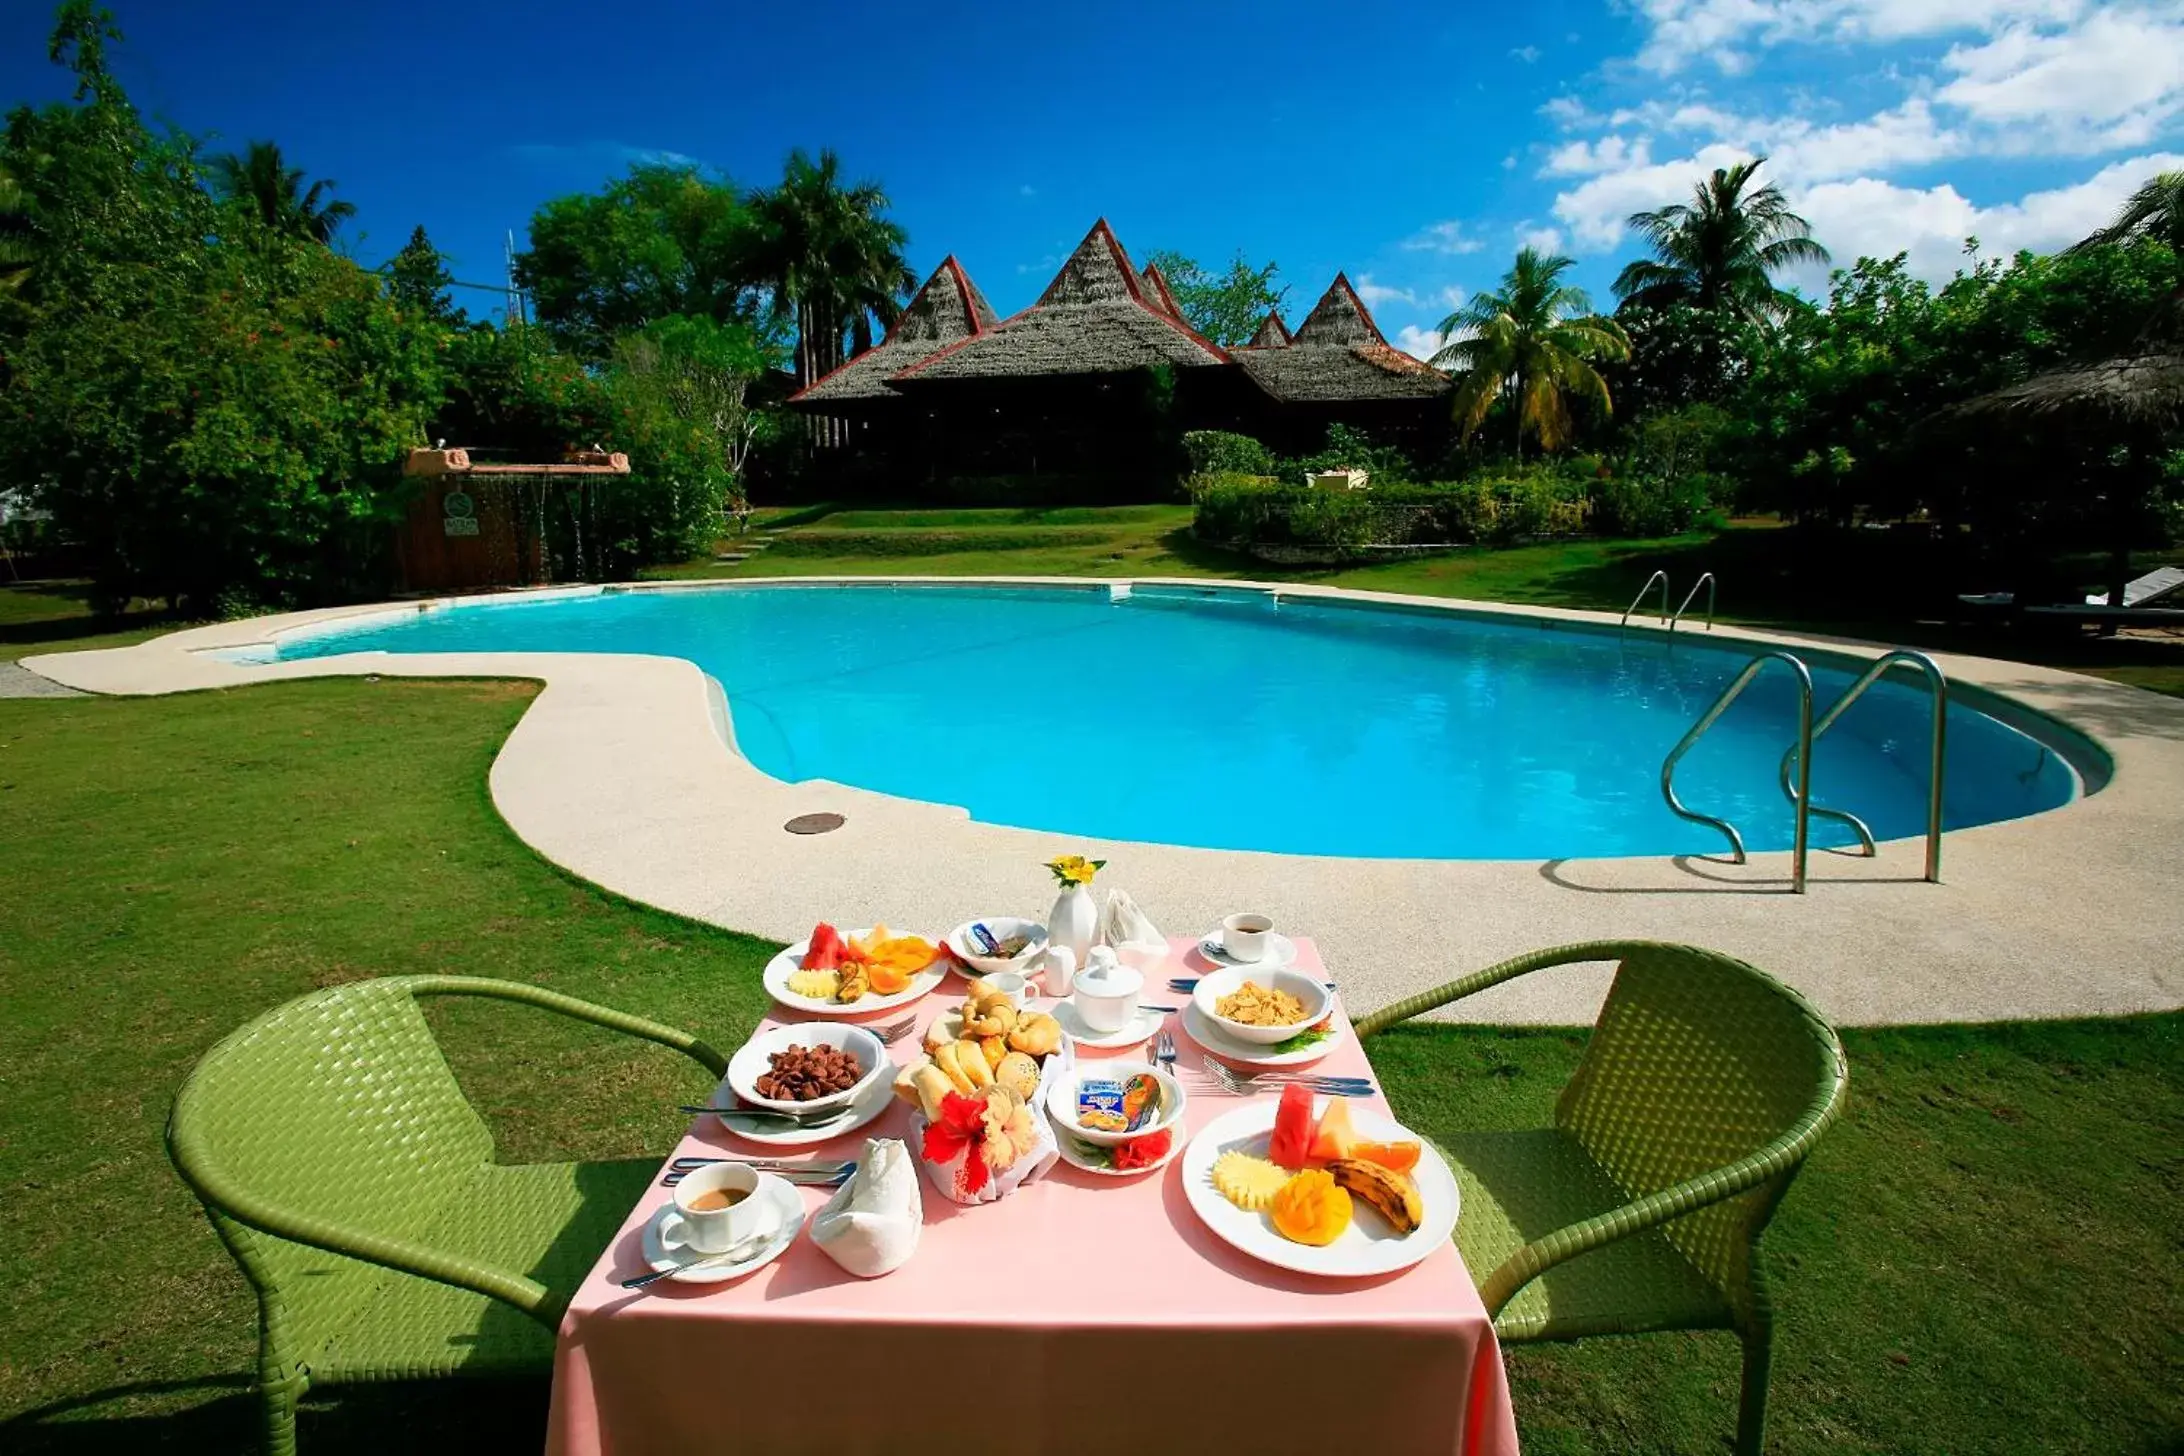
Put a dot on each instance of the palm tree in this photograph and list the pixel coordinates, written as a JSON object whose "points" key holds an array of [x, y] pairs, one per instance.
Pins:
{"points": [[832, 259], [1533, 340], [261, 179], [1721, 250], [2154, 211]]}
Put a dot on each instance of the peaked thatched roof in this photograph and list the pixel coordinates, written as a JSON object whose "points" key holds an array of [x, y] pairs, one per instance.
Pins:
{"points": [[2143, 388], [1094, 318], [1153, 284], [1273, 333], [948, 308], [1338, 354]]}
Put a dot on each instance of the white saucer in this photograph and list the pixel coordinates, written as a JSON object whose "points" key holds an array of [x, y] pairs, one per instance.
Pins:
{"points": [[664, 1249], [1280, 951], [1072, 1147], [1141, 1027], [1202, 1030], [873, 1101]]}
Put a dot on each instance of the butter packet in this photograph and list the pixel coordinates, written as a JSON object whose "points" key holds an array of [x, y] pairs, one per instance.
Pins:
{"points": [[1099, 1105]]}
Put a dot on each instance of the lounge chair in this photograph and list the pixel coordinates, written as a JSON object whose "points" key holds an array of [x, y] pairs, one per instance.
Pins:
{"points": [[2147, 590]]}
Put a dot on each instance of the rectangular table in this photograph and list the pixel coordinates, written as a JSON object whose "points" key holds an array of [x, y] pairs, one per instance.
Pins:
{"points": [[1004, 1333]]}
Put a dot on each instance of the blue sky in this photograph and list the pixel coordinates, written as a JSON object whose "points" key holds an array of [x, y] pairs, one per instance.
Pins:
{"points": [[1415, 146]]}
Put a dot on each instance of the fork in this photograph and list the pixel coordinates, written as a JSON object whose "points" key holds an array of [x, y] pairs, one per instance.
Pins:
{"points": [[803, 1175], [1164, 1051], [894, 1031], [1236, 1084]]}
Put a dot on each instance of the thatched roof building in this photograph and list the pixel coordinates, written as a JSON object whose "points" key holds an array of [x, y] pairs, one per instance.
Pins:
{"points": [[1338, 355], [1094, 318], [948, 309], [1272, 334], [1154, 284], [2139, 390]]}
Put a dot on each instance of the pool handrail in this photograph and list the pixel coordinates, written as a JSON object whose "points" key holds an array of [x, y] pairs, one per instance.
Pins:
{"points": [[1801, 803], [1937, 683], [1706, 579], [1658, 576]]}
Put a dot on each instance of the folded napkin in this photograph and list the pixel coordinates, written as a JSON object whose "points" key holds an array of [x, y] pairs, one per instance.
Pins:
{"points": [[1130, 931], [870, 1226]]}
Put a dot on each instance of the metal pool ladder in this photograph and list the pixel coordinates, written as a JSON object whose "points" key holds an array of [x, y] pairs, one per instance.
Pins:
{"points": [[1706, 579], [1937, 685], [1801, 800], [1658, 576]]}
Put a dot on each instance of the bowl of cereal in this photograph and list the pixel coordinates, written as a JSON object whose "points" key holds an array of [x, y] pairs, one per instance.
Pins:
{"points": [[807, 1067], [1262, 1006]]}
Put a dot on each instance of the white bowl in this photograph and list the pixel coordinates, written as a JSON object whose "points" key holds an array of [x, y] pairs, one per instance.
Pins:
{"points": [[751, 1061], [1061, 1099], [1002, 926], [1307, 989]]}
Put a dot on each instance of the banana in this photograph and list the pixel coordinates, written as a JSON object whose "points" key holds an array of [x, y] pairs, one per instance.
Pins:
{"points": [[1393, 1196]]}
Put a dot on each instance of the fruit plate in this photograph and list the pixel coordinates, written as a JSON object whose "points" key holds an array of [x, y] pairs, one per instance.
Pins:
{"points": [[1367, 1247], [1201, 1029], [786, 964]]}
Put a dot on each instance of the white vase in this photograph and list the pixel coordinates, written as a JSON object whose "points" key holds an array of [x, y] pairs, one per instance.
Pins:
{"points": [[1074, 922]]}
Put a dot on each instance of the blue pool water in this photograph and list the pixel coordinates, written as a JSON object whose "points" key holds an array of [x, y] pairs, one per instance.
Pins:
{"points": [[1238, 724]]}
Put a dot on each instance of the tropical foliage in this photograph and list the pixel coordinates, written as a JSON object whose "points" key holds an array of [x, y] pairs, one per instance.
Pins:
{"points": [[2154, 213], [260, 181], [1227, 307], [1720, 251], [1534, 343], [418, 279], [830, 257]]}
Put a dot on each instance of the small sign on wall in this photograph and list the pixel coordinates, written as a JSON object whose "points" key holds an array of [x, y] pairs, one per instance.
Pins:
{"points": [[459, 514], [461, 525]]}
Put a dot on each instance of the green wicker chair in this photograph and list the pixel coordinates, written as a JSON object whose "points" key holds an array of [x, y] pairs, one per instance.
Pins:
{"points": [[355, 1185], [1703, 1087]]}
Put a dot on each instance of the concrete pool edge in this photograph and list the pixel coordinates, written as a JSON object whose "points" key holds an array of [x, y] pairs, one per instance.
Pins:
{"points": [[620, 773]]}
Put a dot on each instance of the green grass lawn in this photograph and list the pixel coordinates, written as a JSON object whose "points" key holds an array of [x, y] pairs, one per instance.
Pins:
{"points": [[1983, 1257], [56, 616]]}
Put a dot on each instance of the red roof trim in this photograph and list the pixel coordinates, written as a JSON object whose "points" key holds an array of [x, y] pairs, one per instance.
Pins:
{"points": [[954, 344], [1342, 285], [968, 293], [948, 266], [1136, 293]]}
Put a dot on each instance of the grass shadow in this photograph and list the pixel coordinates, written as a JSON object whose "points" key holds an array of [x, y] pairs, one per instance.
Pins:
{"points": [[466, 1415]]}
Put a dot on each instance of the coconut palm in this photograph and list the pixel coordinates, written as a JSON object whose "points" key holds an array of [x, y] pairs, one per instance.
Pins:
{"points": [[2154, 211], [1721, 250], [1533, 341], [261, 179], [830, 256]]}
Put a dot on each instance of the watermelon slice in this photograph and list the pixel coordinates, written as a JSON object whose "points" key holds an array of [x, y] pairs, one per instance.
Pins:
{"points": [[1292, 1139], [826, 950], [1336, 1138]]}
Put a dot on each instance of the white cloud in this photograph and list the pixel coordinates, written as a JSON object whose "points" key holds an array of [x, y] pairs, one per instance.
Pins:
{"points": [[1509, 163], [2111, 81], [1419, 343], [1545, 239], [1727, 32], [1378, 294], [1866, 216], [1569, 113], [1525, 53], [1594, 210], [1444, 237], [1451, 297], [1581, 158], [1027, 190]]}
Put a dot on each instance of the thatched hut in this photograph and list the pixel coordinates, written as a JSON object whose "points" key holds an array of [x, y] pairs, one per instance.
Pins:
{"points": [[1154, 285], [1337, 368], [2078, 420], [947, 310], [1272, 333]]}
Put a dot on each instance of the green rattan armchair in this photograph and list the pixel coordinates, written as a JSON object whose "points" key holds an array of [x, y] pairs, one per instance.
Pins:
{"points": [[355, 1185], [1704, 1085]]}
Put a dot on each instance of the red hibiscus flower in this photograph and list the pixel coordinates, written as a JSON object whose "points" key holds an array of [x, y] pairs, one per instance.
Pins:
{"points": [[1145, 1151], [962, 1127]]}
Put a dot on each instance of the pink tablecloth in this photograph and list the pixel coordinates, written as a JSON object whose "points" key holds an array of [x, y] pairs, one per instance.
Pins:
{"points": [[1005, 1333]]}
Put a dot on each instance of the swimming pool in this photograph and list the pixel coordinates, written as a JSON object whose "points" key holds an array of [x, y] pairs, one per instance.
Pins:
{"points": [[1232, 720]]}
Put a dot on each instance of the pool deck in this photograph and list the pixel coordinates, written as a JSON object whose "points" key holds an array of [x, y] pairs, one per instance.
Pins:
{"points": [[621, 772]]}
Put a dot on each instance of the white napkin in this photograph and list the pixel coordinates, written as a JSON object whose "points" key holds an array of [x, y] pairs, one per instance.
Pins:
{"points": [[1130, 931], [870, 1226]]}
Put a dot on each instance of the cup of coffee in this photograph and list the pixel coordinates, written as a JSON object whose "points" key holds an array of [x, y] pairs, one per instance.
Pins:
{"points": [[721, 1207], [1244, 936], [1017, 988]]}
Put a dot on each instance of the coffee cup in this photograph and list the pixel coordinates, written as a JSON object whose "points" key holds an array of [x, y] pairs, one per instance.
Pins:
{"points": [[1244, 936], [1017, 988], [1105, 992], [721, 1207]]}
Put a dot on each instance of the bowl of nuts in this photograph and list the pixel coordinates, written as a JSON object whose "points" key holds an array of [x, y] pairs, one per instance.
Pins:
{"points": [[807, 1067]]}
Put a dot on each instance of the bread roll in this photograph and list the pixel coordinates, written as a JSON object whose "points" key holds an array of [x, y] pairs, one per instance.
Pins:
{"points": [[1018, 1073], [931, 1087]]}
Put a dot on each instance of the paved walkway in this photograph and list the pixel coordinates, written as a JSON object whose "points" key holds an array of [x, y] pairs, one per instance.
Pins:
{"points": [[21, 682], [622, 772]]}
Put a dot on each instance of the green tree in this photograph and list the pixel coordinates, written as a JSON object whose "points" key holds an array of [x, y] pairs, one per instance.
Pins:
{"points": [[2154, 213], [1532, 342], [259, 180], [1225, 307], [418, 279], [661, 241], [16, 252], [1721, 250], [830, 256]]}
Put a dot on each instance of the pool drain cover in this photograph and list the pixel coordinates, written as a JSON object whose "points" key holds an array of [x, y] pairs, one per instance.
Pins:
{"points": [[814, 823]]}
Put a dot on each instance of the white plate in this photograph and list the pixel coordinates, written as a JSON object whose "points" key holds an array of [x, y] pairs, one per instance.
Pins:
{"points": [[1367, 1247], [969, 963], [1141, 1027], [1280, 951], [1201, 1029], [664, 1249], [870, 1103], [786, 964], [753, 1060], [1072, 1150]]}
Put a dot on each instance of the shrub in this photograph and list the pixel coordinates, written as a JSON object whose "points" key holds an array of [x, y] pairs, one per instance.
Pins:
{"points": [[1651, 505], [1218, 452], [1350, 449]]}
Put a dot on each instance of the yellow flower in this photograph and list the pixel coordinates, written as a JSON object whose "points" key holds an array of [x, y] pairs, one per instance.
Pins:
{"points": [[1074, 869]]}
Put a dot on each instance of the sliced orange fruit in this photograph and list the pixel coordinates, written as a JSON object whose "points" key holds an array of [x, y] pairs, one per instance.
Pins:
{"points": [[1395, 1157]]}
